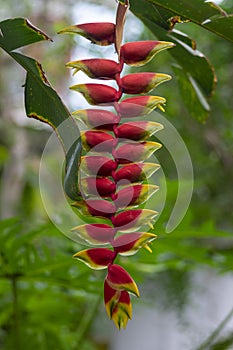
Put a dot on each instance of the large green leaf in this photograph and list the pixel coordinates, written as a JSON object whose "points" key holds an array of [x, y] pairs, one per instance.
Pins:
{"points": [[206, 14], [196, 72], [18, 32], [41, 100]]}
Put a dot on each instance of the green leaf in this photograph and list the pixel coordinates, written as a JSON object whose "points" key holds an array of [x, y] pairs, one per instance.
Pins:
{"points": [[206, 14], [194, 65], [193, 98], [41, 100], [222, 26], [18, 32]]}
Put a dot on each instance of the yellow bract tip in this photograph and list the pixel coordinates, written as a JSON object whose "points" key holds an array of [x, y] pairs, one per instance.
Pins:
{"points": [[161, 107], [146, 246], [150, 225]]}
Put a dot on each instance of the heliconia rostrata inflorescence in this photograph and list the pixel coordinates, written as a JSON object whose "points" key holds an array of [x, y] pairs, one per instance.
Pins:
{"points": [[114, 185]]}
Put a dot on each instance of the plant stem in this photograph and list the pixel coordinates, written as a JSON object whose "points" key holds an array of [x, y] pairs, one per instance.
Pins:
{"points": [[87, 320], [216, 332], [15, 323]]}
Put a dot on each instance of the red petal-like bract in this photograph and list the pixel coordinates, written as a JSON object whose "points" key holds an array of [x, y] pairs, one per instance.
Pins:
{"points": [[96, 258], [97, 68], [140, 52], [99, 140], [98, 207], [118, 305], [98, 186], [95, 234], [129, 244], [137, 131], [97, 118], [133, 219], [119, 279], [98, 165], [96, 94], [140, 105], [113, 172], [135, 172], [141, 83], [102, 33], [135, 152]]}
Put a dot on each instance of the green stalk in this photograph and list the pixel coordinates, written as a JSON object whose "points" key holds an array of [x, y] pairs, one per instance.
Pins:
{"points": [[205, 345], [15, 321], [87, 321]]}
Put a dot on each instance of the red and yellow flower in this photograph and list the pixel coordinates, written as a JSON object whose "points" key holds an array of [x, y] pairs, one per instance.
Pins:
{"points": [[113, 168]]}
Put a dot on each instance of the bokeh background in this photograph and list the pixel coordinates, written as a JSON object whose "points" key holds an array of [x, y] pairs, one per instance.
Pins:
{"points": [[48, 300]]}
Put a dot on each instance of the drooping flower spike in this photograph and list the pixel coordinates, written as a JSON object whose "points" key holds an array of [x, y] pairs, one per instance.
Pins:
{"points": [[114, 182]]}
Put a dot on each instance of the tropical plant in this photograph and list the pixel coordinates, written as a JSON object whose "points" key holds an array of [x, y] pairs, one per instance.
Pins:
{"points": [[120, 176], [197, 81]]}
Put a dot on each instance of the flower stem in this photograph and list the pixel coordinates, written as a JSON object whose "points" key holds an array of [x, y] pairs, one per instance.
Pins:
{"points": [[15, 321], [216, 332], [87, 320]]}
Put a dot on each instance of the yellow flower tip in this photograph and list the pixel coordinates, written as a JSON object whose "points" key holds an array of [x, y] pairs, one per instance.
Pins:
{"points": [[146, 246], [120, 321], [160, 78], [75, 70], [78, 204], [150, 225], [80, 114], [151, 236], [76, 255], [82, 256], [161, 108], [136, 291], [132, 288], [75, 228], [69, 64]]}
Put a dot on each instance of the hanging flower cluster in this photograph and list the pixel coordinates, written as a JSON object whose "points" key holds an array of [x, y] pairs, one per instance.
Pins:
{"points": [[114, 186]]}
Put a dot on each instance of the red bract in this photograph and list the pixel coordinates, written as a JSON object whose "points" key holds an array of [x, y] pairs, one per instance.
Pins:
{"points": [[118, 305], [140, 105], [98, 165], [111, 298], [135, 152], [134, 195], [96, 94], [95, 233], [136, 171], [98, 186], [119, 279], [97, 118], [137, 131], [98, 207], [97, 68], [129, 244], [141, 83], [122, 312], [140, 52], [114, 177], [98, 33], [101, 141], [133, 219], [96, 258]]}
